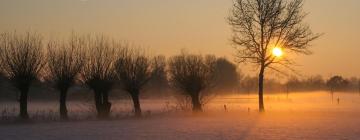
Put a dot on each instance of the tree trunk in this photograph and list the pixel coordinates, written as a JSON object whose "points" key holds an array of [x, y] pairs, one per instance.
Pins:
{"points": [[359, 87], [98, 103], [261, 89], [136, 101], [196, 103], [103, 106], [63, 108], [106, 105], [23, 103]]}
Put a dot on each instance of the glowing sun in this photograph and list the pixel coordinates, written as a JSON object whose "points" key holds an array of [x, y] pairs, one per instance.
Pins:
{"points": [[277, 52]]}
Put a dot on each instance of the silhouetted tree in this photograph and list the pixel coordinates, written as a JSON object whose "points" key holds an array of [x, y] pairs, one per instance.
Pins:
{"points": [[226, 75], [99, 72], [65, 62], [134, 70], [22, 60], [336, 83], [192, 74], [260, 25]]}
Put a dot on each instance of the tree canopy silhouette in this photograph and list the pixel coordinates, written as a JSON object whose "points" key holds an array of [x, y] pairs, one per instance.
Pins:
{"points": [[259, 26], [134, 71], [99, 72], [192, 75], [22, 59], [65, 62], [226, 76], [337, 83]]}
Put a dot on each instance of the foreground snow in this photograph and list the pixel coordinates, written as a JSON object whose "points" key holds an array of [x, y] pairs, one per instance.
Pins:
{"points": [[306, 117], [267, 126]]}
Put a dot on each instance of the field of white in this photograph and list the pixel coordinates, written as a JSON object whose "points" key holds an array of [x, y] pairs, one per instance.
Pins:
{"points": [[308, 116]]}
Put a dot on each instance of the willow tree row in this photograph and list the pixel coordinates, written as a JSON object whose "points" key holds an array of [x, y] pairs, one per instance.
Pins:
{"points": [[99, 63]]}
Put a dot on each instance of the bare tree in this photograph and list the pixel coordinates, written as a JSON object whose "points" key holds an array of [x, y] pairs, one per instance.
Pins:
{"points": [[98, 72], [65, 62], [337, 83], [22, 60], [134, 71], [192, 75], [259, 26]]}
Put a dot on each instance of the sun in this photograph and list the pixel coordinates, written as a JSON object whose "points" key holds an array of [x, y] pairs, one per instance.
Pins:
{"points": [[277, 52]]}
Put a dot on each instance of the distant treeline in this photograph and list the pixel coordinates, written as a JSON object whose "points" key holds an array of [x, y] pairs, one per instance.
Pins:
{"points": [[295, 84], [97, 68], [230, 81]]}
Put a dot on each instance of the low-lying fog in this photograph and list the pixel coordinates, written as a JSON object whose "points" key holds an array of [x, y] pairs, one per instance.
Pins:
{"points": [[320, 101]]}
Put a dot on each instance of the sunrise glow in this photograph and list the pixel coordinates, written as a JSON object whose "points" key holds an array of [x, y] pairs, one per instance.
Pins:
{"points": [[277, 52], [179, 69]]}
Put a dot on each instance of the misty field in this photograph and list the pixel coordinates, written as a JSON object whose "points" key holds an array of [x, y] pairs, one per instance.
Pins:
{"points": [[315, 115]]}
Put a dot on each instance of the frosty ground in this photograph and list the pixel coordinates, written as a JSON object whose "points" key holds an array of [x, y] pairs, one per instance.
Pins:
{"points": [[315, 116]]}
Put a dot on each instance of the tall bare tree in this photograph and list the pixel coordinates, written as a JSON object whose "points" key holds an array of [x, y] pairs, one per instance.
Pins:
{"points": [[134, 71], [99, 71], [22, 60], [65, 62], [192, 74], [261, 25]]}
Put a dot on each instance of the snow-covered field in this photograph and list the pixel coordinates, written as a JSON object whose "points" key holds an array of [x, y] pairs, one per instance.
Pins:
{"points": [[304, 116]]}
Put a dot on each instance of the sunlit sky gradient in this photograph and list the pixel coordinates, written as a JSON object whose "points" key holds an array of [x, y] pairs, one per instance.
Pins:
{"points": [[167, 26]]}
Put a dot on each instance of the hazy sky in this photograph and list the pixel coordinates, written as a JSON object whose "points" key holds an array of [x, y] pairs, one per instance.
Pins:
{"points": [[167, 26]]}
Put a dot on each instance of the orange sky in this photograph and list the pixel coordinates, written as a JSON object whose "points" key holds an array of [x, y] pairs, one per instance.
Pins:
{"points": [[167, 26]]}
